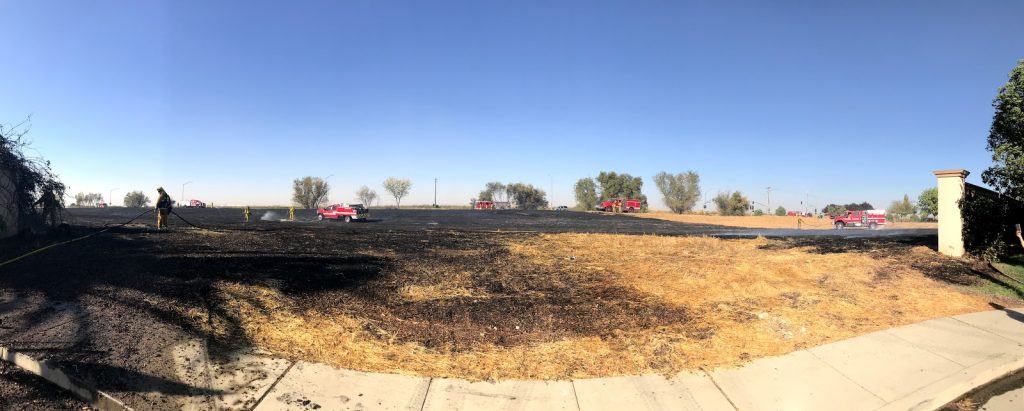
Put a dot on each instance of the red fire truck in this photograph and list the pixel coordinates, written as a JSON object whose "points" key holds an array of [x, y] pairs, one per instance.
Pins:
{"points": [[347, 212], [491, 205], [624, 205], [195, 204], [871, 219]]}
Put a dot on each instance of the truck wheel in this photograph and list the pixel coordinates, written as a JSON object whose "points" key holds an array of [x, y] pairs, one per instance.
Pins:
{"points": [[348, 219], [319, 217], [839, 225], [873, 226]]}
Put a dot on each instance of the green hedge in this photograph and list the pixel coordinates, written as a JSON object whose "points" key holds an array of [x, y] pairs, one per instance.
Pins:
{"points": [[989, 220]]}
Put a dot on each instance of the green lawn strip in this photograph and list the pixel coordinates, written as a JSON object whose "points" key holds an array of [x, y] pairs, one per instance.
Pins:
{"points": [[1012, 267]]}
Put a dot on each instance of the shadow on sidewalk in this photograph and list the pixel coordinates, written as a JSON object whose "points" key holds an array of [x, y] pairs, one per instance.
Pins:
{"points": [[1009, 313], [111, 378]]}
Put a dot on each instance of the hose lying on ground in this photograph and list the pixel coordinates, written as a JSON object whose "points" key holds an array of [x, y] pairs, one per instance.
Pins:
{"points": [[107, 228]]}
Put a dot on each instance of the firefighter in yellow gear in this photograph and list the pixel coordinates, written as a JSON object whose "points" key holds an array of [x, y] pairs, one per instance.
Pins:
{"points": [[618, 206], [291, 214], [247, 212], [163, 208]]}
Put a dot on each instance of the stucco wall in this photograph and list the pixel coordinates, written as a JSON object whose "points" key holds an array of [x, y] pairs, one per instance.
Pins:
{"points": [[951, 223]]}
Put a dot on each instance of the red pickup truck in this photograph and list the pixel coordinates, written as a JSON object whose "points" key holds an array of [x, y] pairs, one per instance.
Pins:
{"points": [[869, 218], [347, 212], [626, 206]]}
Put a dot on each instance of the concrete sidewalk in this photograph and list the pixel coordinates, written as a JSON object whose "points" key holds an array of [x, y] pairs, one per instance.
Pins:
{"points": [[916, 367], [920, 367]]}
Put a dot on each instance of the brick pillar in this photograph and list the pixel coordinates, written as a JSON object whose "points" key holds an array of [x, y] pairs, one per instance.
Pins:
{"points": [[951, 223]]}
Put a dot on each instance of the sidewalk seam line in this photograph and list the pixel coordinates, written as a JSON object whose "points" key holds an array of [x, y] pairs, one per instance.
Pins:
{"points": [[426, 393], [274, 384], [963, 366], [715, 383], [990, 332], [572, 383], [847, 376]]}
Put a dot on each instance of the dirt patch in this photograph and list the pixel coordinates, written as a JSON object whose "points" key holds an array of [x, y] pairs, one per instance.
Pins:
{"points": [[20, 389]]}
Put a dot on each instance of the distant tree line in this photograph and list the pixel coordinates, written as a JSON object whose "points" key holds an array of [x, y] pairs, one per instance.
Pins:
{"points": [[88, 200]]}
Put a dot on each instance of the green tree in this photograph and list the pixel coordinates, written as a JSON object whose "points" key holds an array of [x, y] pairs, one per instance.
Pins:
{"points": [[835, 210], [586, 193], [928, 202], [681, 191], [494, 191], [398, 187], [136, 199], [1006, 137], [902, 209], [528, 197], [366, 196], [615, 185], [87, 200], [731, 203], [780, 211], [758, 212], [310, 192]]}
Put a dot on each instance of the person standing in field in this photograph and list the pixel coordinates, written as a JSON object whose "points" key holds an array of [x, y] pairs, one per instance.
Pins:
{"points": [[163, 208], [48, 201], [291, 214], [247, 212]]}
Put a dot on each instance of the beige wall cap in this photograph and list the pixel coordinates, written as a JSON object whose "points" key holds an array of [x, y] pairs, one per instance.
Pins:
{"points": [[956, 172]]}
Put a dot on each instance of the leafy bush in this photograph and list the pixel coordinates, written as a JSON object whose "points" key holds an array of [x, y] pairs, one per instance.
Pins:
{"points": [[731, 203], [136, 199], [681, 191], [988, 222]]}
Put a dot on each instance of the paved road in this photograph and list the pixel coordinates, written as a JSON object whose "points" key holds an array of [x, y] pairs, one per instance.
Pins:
{"points": [[471, 220]]}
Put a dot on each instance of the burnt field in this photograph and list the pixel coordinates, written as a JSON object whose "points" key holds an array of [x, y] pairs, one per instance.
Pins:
{"points": [[542, 221], [459, 293]]}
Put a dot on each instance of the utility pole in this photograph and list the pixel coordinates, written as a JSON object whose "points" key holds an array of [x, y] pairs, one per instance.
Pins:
{"points": [[110, 198], [552, 205], [435, 192], [769, 205], [182, 198]]}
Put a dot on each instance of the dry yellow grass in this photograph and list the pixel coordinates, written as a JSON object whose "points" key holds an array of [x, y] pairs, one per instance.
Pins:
{"points": [[747, 299], [766, 221]]}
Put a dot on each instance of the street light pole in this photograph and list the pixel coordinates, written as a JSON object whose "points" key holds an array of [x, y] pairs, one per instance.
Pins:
{"points": [[552, 181], [110, 197], [435, 192], [182, 198], [769, 205]]}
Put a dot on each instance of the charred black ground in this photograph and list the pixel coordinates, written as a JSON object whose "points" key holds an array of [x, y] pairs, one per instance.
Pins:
{"points": [[363, 270]]}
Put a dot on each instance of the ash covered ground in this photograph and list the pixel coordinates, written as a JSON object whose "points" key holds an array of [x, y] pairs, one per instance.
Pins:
{"points": [[107, 307]]}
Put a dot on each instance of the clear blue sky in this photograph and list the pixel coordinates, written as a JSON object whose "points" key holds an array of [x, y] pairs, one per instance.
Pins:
{"points": [[849, 102]]}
